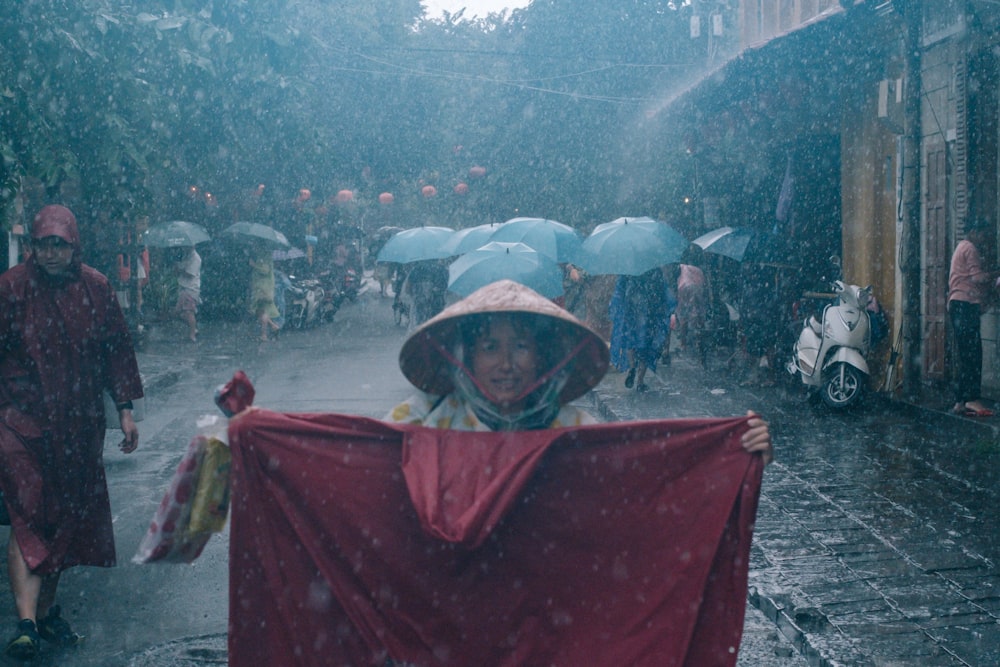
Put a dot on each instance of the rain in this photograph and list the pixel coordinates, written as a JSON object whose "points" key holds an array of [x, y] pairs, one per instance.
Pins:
{"points": [[799, 176]]}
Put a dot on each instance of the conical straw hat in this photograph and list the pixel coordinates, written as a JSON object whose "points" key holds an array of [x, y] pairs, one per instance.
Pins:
{"points": [[424, 365]]}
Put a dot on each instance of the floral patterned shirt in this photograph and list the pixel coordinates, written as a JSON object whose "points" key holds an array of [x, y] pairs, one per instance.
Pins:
{"points": [[454, 413]]}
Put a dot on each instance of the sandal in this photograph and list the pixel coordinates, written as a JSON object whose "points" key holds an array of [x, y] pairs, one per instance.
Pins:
{"points": [[630, 378], [26, 643], [54, 628]]}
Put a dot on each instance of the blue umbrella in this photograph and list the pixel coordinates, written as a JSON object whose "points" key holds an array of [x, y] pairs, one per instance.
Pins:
{"points": [[558, 241], [466, 240], [631, 246], [415, 245], [514, 261]]}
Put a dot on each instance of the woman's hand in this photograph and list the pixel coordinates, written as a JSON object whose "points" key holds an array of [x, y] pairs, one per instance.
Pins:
{"points": [[758, 438], [129, 429]]}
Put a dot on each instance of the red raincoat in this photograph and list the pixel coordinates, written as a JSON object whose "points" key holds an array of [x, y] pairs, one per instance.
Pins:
{"points": [[356, 542], [62, 342]]}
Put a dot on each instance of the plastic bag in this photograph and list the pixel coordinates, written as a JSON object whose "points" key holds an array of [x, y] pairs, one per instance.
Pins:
{"points": [[197, 501]]}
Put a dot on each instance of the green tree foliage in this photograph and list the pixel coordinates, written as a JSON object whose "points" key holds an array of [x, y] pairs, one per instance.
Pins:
{"points": [[113, 105]]}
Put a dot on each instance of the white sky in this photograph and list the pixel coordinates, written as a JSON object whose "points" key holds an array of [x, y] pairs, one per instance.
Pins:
{"points": [[473, 7]]}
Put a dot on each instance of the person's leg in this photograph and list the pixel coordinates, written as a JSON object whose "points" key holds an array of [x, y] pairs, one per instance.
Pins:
{"points": [[189, 318], [640, 376], [262, 319], [630, 377], [968, 353], [47, 594], [25, 586]]}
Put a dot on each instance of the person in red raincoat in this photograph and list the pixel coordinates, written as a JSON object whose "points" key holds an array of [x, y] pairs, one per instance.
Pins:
{"points": [[63, 342]]}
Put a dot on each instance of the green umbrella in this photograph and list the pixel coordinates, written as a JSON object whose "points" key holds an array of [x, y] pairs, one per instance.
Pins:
{"points": [[558, 241], [512, 261], [254, 231], [415, 245], [174, 234], [631, 246]]}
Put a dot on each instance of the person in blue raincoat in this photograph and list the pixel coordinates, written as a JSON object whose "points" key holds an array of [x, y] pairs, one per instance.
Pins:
{"points": [[640, 312]]}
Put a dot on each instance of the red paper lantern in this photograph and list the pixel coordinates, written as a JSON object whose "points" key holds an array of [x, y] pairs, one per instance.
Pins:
{"points": [[429, 191], [345, 196], [461, 189], [385, 198], [477, 172], [304, 195]]}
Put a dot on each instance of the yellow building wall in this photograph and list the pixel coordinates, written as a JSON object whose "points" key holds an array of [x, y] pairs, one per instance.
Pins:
{"points": [[868, 197]]}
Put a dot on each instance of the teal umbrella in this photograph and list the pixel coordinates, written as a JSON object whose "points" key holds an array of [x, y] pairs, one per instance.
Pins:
{"points": [[512, 261], [174, 234], [415, 245], [256, 232], [466, 240], [558, 241], [631, 246]]}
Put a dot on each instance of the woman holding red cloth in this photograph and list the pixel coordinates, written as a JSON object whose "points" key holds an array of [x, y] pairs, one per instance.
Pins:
{"points": [[63, 342], [507, 358]]}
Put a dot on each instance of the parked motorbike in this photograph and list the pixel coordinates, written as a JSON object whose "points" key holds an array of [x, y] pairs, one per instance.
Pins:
{"points": [[350, 284], [333, 294], [339, 284], [829, 355], [303, 300]]}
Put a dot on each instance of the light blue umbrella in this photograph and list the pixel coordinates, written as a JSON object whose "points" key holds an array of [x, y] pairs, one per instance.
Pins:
{"points": [[514, 261], [256, 232], [558, 241], [466, 240], [174, 234], [415, 245], [631, 246]]}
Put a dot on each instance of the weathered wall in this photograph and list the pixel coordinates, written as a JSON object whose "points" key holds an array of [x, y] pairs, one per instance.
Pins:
{"points": [[868, 179]]}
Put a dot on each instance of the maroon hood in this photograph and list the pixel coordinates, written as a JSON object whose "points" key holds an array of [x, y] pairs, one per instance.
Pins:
{"points": [[55, 220]]}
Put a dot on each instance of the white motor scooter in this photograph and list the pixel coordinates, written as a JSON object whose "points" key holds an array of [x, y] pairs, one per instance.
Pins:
{"points": [[829, 355]]}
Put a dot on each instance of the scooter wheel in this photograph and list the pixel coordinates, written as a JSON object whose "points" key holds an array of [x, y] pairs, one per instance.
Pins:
{"points": [[843, 385]]}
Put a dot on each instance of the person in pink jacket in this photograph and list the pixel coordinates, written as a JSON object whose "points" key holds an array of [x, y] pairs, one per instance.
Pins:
{"points": [[968, 288]]}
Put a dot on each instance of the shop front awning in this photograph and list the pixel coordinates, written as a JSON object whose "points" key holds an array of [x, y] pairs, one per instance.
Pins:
{"points": [[800, 72]]}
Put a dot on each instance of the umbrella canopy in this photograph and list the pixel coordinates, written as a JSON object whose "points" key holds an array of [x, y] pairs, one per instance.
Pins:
{"points": [[384, 233], [745, 245], [511, 261], [415, 245], [466, 240], [174, 234], [631, 246], [254, 231], [558, 241], [290, 253]]}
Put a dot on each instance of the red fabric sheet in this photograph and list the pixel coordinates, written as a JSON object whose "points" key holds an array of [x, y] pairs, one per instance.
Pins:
{"points": [[614, 544]]}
